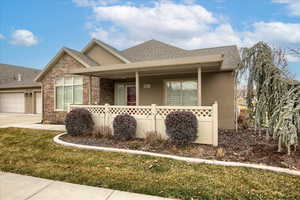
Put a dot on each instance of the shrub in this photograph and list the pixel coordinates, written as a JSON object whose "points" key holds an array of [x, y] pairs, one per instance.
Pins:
{"points": [[102, 132], [79, 122], [181, 127], [124, 127]]}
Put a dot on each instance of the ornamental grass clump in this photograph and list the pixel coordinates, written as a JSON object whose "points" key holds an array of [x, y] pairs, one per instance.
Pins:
{"points": [[124, 127], [79, 122], [181, 127], [103, 132]]}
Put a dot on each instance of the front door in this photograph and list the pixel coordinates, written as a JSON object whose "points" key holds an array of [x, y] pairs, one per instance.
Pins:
{"points": [[131, 96], [125, 94]]}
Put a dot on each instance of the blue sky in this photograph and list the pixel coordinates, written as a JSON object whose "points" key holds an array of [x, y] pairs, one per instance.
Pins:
{"points": [[32, 31]]}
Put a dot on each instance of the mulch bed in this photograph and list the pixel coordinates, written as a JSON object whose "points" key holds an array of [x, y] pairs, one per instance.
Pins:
{"points": [[243, 146]]}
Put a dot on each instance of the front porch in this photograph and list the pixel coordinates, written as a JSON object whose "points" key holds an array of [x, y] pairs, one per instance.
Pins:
{"points": [[187, 82], [173, 82], [162, 90]]}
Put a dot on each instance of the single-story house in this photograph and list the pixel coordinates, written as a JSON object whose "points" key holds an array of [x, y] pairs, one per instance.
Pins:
{"points": [[152, 72], [19, 93]]}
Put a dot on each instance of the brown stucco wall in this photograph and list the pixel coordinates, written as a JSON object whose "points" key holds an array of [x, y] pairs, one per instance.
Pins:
{"points": [[101, 56], [216, 86], [48, 81], [220, 87]]}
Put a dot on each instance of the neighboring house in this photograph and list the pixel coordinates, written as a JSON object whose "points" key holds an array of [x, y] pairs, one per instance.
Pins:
{"points": [[149, 73], [19, 93]]}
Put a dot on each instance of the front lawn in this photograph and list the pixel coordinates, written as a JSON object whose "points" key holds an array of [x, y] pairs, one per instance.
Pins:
{"points": [[32, 152]]}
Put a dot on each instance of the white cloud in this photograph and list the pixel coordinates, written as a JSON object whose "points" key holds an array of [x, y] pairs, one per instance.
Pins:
{"points": [[23, 37], [221, 35], [292, 5], [166, 21], [188, 26], [2, 37], [278, 33]]}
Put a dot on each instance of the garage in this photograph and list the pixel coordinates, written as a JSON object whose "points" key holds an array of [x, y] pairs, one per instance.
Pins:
{"points": [[38, 103], [12, 102]]}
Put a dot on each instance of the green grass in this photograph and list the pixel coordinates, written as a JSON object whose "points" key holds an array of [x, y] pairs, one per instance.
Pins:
{"points": [[32, 152]]}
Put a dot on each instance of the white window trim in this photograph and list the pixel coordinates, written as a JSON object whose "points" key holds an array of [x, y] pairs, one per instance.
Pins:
{"points": [[63, 86], [165, 95]]}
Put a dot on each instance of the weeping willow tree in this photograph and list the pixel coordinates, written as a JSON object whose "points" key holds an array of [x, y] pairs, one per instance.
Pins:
{"points": [[273, 97]]}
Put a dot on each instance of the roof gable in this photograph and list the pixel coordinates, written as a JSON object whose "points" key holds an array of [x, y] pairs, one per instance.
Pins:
{"points": [[81, 58], [111, 50]]}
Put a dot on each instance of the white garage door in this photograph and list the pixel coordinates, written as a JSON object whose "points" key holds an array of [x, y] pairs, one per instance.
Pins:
{"points": [[12, 102], [38, 103]]}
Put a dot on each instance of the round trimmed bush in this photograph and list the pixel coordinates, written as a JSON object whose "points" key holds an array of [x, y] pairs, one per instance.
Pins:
{"points": [[79, 122], [181, 127], [124, 127]]}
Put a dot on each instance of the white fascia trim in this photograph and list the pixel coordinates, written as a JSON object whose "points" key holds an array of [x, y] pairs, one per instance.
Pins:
{"points": [[180, 158]]}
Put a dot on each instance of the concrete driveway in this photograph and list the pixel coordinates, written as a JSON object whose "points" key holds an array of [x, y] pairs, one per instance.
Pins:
{"points": [[10, 119]]}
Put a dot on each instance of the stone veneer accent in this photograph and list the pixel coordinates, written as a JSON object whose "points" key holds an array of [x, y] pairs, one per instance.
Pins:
{"points": [[48, 81], [106, 91]]}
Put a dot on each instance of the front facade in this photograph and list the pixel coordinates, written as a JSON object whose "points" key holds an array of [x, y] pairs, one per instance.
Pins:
{"points": [[18, 91], [150, 73]]}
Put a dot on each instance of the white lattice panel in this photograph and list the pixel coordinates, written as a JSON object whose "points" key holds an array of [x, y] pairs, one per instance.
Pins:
{"points": [[131, 110], [96, 110], [199, 112]]}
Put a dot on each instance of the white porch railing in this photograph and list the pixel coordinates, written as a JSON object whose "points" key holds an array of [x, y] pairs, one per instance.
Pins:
{"points": [[151, 118]]}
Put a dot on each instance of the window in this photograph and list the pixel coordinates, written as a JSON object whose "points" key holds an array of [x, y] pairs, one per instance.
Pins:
{"points": [[181, 93], [68, 90]]}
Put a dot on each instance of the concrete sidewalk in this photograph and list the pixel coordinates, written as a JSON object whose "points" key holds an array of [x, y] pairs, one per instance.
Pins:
{"points": [[51, 127], [20, 187]]}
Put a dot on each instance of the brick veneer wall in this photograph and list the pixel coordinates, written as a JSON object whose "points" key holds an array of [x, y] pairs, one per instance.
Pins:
{"points": [[64, 63]]}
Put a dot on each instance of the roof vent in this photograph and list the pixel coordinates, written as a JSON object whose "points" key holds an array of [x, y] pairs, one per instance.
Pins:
{"points": [[19, 77]]}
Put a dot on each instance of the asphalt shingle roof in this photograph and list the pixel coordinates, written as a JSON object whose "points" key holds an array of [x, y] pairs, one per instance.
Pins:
{"points": [[156, 50], [9, 76], [152, 50]]}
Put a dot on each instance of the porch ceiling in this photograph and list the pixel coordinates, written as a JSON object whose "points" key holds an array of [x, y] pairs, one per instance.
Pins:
{"points": [[158, 67]]}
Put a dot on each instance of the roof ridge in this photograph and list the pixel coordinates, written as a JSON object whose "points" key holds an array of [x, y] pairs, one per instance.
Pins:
{"points": [[153, 40], [213, 47]]}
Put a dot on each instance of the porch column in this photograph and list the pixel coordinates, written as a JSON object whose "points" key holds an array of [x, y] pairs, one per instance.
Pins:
{"points": [[137, 88], [199, 87], [90, 90]]}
